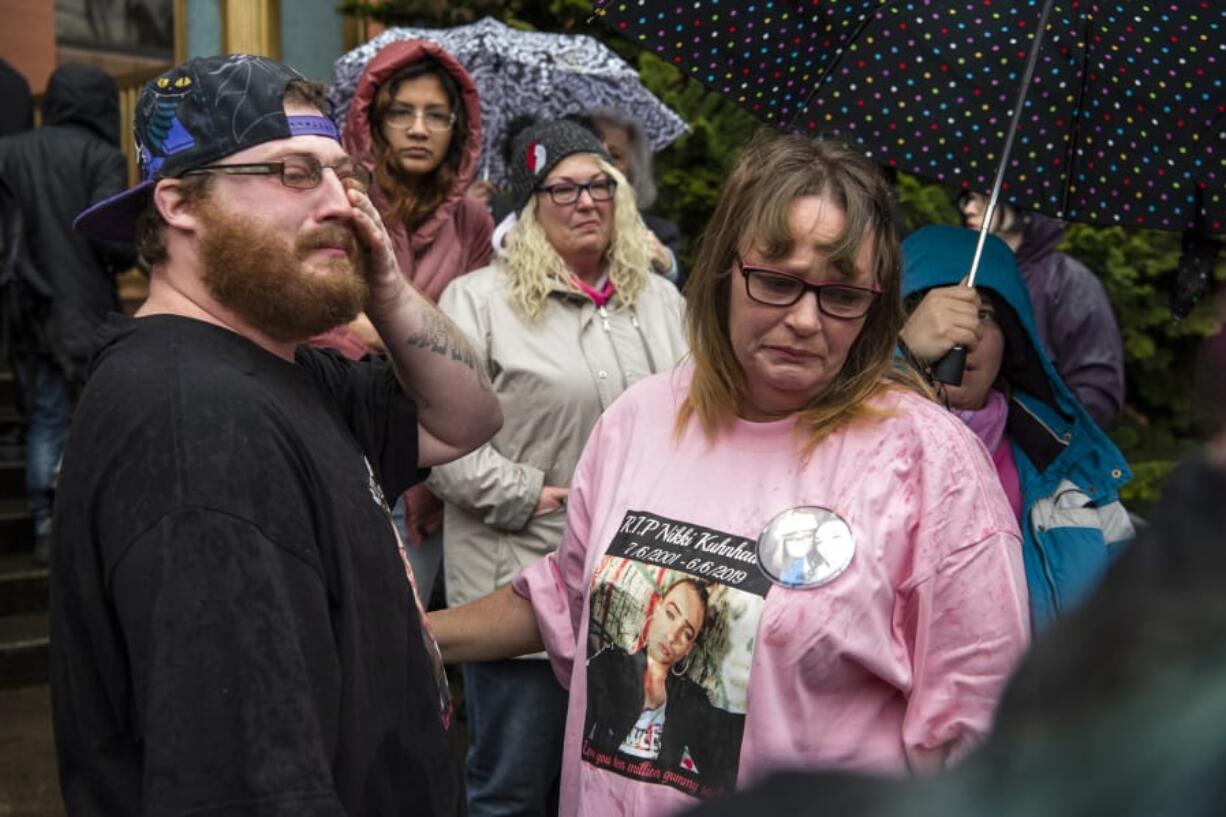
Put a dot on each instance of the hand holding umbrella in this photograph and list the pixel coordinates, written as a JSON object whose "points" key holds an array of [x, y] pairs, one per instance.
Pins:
{"points": [[949, 369]]}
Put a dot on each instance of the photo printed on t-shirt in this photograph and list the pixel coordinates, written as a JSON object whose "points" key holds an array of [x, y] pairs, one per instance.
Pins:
{"points": [[674, 617]]}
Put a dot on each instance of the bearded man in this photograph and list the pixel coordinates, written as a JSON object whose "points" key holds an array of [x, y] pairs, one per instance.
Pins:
{"points": [[233, 628]]}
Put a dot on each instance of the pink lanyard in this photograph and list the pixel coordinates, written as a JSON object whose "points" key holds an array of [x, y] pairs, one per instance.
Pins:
{"points": [[601, 296]]}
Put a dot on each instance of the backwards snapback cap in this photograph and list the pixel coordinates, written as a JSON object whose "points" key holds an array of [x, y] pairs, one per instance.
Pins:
{"points": [[194, 114]]}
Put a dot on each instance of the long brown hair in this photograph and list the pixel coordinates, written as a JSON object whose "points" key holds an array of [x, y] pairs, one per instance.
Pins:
{"points": [[411, 198], [752, 211]]}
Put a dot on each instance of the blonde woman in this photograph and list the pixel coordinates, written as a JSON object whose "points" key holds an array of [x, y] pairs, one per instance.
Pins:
{"points": [[570, 319], [886, 648]]}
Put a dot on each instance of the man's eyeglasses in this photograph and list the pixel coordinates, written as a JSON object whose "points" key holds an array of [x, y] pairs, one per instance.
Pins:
{"points": [[569, 192], [436, 121], [774, 288], [299, 172]]}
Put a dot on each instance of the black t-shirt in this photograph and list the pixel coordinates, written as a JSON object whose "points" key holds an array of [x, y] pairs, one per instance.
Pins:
{"points": [[232, 628]]}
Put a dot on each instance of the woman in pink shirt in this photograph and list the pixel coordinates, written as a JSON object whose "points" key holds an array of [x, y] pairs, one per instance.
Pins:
{"points": [[864, 592]]}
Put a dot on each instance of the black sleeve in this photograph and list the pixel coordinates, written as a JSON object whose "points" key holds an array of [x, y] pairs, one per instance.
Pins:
{"points": [[380, 415], [235, 694], [665, 230], [669, 235]]}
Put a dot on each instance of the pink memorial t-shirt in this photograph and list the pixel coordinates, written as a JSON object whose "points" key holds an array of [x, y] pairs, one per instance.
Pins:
{"points": [[891, 662]]}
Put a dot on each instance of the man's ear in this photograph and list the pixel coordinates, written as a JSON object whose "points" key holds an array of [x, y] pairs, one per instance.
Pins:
{"points": [[175, 208]]}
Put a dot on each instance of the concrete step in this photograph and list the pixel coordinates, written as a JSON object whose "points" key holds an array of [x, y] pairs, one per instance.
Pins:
{"points": [[8, 390], [16, 529], [25, 649], [11, 424], [24, 587], [12, 477], [12, 447]]}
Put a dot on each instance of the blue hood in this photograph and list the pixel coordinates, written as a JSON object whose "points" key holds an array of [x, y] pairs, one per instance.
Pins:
{"points": [[1068, 470], [938, 256]]}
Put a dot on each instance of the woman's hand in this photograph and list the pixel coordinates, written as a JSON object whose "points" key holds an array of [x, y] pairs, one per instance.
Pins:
{"points": [[945, 318], [553, 499], [483, 191], [661, 256]]}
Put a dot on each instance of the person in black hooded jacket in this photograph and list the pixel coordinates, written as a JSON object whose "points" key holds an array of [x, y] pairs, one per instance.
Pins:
{"points": [[17, 113], [66, 284]]}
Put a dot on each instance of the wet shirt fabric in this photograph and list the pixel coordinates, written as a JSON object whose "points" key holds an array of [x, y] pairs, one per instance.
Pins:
{"points": [[232, 629], [892, 664]]}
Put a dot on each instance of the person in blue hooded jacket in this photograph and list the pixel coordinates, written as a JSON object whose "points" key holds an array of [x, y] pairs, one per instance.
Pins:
{"points": [[1060, 471]]}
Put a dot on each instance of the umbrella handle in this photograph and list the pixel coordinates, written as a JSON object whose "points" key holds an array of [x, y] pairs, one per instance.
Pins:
{"points": [[949, 369]]}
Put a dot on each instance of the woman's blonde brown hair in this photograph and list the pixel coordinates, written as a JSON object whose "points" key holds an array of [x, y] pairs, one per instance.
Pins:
{"points": [[412, 198], [752, 212]]}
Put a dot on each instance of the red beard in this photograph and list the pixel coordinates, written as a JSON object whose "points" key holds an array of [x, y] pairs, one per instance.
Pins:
{"points": [[256, 273]]}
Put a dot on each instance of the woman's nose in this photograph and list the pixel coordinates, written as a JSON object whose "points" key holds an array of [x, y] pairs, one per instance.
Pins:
{"points": [[585, 199], [418, 128], [804, 316]]}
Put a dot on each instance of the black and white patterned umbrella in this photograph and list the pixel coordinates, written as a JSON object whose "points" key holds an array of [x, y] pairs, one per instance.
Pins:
{"points": [[524, 72]]}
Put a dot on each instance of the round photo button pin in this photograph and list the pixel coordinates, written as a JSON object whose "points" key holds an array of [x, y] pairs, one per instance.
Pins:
{"points": [[805, 547]]}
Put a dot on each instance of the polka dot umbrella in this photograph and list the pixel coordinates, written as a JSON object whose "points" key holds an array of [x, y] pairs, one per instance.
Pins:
{"points": [[1123, 121]]}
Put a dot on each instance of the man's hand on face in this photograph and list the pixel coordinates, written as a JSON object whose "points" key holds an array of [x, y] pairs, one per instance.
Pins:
{"points": [[388, 287], [456, 408]]}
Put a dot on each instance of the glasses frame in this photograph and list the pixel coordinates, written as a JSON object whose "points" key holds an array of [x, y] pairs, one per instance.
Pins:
{"points": [[806, 287], [418, 116], [580, 189], [360, 173]]}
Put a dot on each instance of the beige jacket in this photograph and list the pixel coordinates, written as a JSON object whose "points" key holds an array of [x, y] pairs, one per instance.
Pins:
{"points": [[553, 377]]}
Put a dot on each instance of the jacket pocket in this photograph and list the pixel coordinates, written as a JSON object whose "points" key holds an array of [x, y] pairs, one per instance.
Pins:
{"points": [[523, 548]]}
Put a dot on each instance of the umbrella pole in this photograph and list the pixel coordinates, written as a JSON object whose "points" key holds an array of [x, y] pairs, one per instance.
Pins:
{"points": [[949, 369]]}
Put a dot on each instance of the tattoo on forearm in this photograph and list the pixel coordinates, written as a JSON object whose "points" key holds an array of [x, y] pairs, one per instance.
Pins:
{"points": [[439, 336]]}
